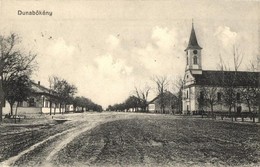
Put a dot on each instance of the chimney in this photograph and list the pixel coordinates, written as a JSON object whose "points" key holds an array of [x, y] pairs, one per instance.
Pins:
{"points": [[39, 82]]}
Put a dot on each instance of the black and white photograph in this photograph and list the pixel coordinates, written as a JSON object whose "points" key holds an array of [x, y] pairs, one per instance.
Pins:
{"points": [[129, 83]]}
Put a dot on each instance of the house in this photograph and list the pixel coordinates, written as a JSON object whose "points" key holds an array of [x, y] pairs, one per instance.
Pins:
{"points": [[42, 100], [163, 103], [198, 83]]}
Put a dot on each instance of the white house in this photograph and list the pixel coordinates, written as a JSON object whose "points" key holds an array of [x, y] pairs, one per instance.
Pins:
{"points": [[42, 100]]}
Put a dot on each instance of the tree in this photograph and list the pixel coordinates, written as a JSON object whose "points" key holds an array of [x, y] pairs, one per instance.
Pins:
{"points": [[161, 84], [208, 97], [178, 87], [132, 102], [142, 94], [64, 90], [12, 63], [19, 89], [230, 89], [250, 93]]}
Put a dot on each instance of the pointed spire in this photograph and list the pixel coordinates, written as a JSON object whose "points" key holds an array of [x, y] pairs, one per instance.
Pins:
{"points": [[193, 43]]}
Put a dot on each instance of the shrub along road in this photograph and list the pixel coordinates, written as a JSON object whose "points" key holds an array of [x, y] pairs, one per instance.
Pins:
{"points": [[147, 140]]}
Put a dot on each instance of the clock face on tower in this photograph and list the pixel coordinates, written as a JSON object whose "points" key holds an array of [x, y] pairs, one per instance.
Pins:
{"points": [[195, 52]]}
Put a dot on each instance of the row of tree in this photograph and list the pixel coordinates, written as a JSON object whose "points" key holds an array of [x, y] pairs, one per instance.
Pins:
{"points": [[138, 101], [16, 68], [64, 95], [230, 94]]}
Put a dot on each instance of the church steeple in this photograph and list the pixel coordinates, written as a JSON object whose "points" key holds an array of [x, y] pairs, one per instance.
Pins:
{"points": [[193, 43], [193, 54]]}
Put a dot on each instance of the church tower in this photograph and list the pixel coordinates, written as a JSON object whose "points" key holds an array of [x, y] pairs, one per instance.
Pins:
{"points": [[193, 54]]}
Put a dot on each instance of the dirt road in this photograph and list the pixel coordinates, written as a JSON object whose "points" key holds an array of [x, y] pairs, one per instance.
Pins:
{"points": [[134, 139], [42, 153]]}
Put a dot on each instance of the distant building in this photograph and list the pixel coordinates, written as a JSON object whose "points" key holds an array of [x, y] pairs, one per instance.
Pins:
{"points": [[165, 102], [196, 81]]}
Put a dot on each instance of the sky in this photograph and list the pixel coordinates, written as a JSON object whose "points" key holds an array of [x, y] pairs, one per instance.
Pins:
{"points": [[106, 48]]}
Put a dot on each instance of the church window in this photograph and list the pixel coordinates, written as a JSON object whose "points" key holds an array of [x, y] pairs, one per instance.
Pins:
{"points": [[187, 60], [195, 60], [187, 94], [219, 96]]}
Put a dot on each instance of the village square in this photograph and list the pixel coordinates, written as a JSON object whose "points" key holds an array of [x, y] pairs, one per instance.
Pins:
{"points": [[120, 88]]}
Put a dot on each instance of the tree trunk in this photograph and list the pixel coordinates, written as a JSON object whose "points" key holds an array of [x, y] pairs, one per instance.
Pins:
{"points": [[229, 109], [60, 108], [1, 97], [15, 114], [258, 99], [248, 104], [55, 109], [211, 107], [11, 107], [50, 107]]}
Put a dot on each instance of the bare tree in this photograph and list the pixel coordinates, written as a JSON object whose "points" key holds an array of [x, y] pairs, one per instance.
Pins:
{"points": [[142, 94], [161, 84], [237, 57], [208, 97], [230, 88], [250, 92], [12, 63], [178, 87]]}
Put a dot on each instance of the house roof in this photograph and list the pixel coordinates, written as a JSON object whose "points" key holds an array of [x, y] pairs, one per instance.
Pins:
{"points": [[228, 78], [193, 43], [166, 93], [37, 88]]}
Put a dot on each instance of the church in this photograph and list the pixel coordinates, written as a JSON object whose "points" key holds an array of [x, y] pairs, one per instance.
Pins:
{"points": [[213, 90]]}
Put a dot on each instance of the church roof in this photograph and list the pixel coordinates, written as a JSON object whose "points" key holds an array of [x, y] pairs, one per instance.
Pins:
{"points": [[193, 43], [228, 78]]}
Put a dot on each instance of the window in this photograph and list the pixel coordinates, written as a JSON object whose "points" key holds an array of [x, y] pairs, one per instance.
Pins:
{"points": [[238, 96], [32, 102], [187, 94], [20, 104], [195, 60], [219, 96], [46, 103], [187, 60], [201, 95]]}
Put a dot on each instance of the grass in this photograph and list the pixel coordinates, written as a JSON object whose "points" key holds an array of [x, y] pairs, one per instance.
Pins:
{"points": [[162, 140]]}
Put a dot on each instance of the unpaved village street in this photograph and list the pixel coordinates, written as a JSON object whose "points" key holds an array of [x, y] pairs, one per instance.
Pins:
{"points": [[134, 139]]}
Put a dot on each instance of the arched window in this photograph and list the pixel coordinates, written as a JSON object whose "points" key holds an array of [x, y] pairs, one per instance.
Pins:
{"points": [[195, 60]]}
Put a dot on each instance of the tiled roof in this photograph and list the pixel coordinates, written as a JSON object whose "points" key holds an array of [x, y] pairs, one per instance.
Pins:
{"points": [[39, 89], [193, 43], [228, 78]]}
